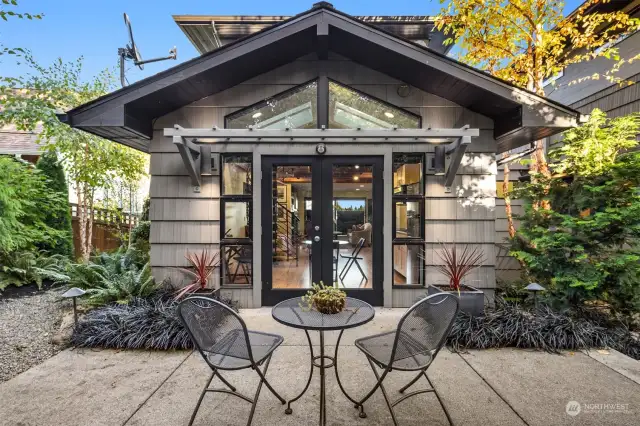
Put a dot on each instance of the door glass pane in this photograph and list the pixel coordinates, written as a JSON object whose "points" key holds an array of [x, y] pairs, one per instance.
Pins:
{"points": [[353, 225], [350, 109], [237, 265], [408, 218], [236, 174], [408, 266], [237, 216], [294, 109], [291, 227], [407, 174]]}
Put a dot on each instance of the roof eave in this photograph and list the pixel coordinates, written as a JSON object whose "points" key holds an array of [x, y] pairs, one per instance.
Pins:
{"points": [[120, 115]]}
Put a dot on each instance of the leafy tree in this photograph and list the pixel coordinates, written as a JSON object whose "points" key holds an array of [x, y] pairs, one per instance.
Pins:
{"points": [[24, 201], [60, 216], [588, 245], [526, 41], [91, 163], [7, 10]]}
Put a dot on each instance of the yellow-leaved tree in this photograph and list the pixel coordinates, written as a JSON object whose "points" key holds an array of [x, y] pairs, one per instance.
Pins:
{"points": [[527, 41]]}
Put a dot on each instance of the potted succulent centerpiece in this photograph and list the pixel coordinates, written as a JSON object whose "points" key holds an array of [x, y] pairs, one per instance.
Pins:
{"points": [[456, 266], [325, 299]]}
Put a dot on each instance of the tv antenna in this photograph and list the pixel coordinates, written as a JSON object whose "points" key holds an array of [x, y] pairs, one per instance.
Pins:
{"points": [[131, 52]]}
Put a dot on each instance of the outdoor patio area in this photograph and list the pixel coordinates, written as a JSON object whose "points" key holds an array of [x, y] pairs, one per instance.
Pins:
{"points": [[492, 387]]}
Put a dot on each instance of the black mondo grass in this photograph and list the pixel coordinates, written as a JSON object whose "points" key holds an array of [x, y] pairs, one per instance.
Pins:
{"points": [[144, 323], [510, 325]]}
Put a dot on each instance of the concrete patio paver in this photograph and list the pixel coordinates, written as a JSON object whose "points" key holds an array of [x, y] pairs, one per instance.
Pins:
{"points": [[539, 386], [85, 387], [628, 367], [468, 399], [492, 387]]}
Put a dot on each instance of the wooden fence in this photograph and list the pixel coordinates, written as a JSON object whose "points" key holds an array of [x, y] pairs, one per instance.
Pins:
{"points": [[108, 227]]}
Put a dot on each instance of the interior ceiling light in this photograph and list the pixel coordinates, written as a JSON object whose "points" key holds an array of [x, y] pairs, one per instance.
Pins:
{"points": [[256, 115], [357, 166], [356, 178], [388, 114]]}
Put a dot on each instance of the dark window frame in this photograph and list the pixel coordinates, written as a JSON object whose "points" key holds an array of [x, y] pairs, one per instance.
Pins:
{"points": [[230, 242], [223, 247], [284, 93], [408, 286], [420, 241], [322, 87], [382, 101]]}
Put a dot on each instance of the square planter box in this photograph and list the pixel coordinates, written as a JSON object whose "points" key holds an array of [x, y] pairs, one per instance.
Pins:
{"points": [[471, 299]]}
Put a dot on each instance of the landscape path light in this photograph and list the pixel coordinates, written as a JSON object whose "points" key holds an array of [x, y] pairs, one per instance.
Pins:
{"points": [[535, 288], [74, 293]]}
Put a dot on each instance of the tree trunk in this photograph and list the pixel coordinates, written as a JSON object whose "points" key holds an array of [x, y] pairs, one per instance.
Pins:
{"points": [[539, 165], [507, 199], [90, 226], [82, 221]]}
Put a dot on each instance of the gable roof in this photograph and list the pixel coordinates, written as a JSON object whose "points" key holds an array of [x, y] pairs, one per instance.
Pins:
{"points": [[126, 115], [209, 32], [18, 142]]}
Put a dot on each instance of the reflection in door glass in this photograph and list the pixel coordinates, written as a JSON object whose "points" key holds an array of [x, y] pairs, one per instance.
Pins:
{"points": [[291, 248], [353, 225]]}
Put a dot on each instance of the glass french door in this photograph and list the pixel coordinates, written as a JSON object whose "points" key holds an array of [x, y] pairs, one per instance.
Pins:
{"points": [[321, 222]]}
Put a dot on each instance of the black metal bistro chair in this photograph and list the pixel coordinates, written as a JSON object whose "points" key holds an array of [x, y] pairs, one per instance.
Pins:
{"points": [[224, 342], [353, 259], [421, 333]]}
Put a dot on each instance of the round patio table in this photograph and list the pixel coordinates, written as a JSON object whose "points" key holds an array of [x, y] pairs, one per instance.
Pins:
{"points": [[294, 313]]}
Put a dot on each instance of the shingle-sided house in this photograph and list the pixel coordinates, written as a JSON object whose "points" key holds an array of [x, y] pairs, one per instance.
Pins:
{"points": [[318, 136]]}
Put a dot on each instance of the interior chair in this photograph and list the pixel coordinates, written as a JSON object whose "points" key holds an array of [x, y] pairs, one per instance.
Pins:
{"points": [[355, 235], [222, 338], [421, 333], [352, 259], [244, 260]]}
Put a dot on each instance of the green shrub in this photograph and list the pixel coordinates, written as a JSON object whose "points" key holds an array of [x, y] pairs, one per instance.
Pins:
{"points": [[139, 246], [25, 200], [112, 277], [146, 205], [59, 215], [21, 268], [586, 245]]}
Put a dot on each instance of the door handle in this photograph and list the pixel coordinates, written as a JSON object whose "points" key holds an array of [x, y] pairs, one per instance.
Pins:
{"points": [[316, 238]]}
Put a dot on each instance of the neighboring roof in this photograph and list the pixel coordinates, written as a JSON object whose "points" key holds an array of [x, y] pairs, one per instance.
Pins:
{"points": [[126, 115], [209, 32], [629, 6], [16, 142]]}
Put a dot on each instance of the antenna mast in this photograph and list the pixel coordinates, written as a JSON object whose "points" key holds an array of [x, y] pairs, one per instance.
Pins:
{"points": [[131, 52]]}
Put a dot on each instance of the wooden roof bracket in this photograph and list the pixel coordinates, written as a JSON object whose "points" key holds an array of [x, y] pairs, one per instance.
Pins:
{"points": [[193, 159], [456, 151]]}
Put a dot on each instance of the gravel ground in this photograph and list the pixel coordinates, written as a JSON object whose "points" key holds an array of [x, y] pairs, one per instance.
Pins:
{"points": [[27, 324]]}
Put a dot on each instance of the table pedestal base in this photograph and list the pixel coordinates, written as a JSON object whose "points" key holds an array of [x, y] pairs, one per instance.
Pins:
{"points": [[320, 362]]}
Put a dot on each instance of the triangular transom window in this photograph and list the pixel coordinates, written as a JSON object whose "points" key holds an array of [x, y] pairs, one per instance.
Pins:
{"points": [[345, 108], [294, 109], [350, 109]]}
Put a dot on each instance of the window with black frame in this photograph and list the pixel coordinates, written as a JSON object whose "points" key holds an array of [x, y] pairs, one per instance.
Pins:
{"points": [[236, 242], [408, 219]]}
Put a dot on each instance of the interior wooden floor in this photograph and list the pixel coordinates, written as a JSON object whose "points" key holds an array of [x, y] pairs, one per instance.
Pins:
{"points": [[287, 275]]}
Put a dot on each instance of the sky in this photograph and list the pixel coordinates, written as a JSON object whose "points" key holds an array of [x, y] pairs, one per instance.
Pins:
{"points": [[95, 28]]}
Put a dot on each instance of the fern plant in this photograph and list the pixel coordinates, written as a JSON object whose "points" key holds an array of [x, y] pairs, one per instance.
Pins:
{"points": [[112, 278], [23, 268]]}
